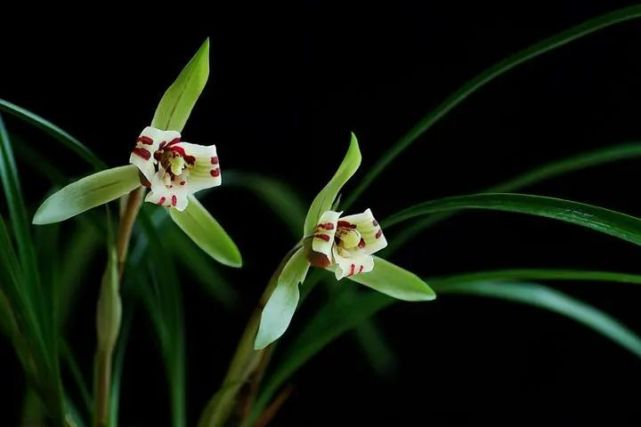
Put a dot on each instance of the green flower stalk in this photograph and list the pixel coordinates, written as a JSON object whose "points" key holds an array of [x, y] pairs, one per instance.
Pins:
{"points": [[344, 245]]}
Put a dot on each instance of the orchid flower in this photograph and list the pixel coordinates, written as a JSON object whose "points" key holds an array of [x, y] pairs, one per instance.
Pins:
{"points": [[343, 244], [171, 169], [346, 244]]}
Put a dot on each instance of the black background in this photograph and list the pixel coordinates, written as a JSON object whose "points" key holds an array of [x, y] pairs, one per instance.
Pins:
{"points": [[287, 85]]}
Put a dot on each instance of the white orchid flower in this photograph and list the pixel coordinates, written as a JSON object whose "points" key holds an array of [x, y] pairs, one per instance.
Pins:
{"points": [[346, 244], [173, 169]]}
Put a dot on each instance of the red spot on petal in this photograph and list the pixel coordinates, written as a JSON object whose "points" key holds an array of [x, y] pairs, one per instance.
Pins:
{"points": [[215, 172], [326, 226], [351, 269], [142, 152], [181, 151], [379, 233], [182, 182], [214, 160], [173, 142], [145, 140], [361, 244], [324, 237], [161, 201], [346, 224], [174, 200], [360, 270]]}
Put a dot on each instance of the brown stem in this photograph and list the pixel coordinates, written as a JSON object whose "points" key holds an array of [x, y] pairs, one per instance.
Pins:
{"points": [[104, 355], [245, 362], [272, 409]]}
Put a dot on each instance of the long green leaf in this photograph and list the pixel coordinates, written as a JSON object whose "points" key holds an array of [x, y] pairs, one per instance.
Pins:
{"points": [[348, 310], [325, 199], [207, 233], [550, 170], [176, 104], [498, 69], [62, 136], [86, 193], [549, 299], [603, 220]]}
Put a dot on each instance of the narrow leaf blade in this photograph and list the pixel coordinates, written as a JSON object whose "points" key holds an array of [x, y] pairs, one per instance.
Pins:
{"points": [[603, 220], [549, 299], [86, 193], [176, 104], [207, 233], [59, 134], [394, 281], [325, 198], [549, 44]]}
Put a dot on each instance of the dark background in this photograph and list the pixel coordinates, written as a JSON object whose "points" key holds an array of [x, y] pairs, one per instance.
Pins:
{"points": [[286, 87]]}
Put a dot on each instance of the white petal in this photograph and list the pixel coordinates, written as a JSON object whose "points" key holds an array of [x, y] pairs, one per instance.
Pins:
{"points": [[323, 239], [356, 262], [147, 144], [168, 196], [370, 230], [205, 170]]}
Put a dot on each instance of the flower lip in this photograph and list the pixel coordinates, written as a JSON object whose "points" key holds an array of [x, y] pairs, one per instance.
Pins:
{"points": [[173, 169]]}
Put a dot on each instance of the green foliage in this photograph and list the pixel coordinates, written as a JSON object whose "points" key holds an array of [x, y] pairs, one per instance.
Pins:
{"points": [[603, 220], [551, 43]]}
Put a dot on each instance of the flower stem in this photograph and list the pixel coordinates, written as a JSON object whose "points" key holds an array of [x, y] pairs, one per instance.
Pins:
{"points": [[246, 361], [104, 352]]}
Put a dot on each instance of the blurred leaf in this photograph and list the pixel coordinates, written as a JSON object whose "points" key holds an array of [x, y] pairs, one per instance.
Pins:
{"points": [[331, 321], [207, 233], [86, 193], [395, 282], [162, 298], [349, 309], [376, 348], [280, 308], [550, 170], [17, 210], [324, 200], [498, 69], [543, 297], [177, 102], [277, 195], [529, 274], [603, 220], [53, 130], [204, 271]]}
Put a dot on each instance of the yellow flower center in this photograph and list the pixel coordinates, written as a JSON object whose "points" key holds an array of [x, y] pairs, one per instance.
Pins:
{"points": [[349, 238]]}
